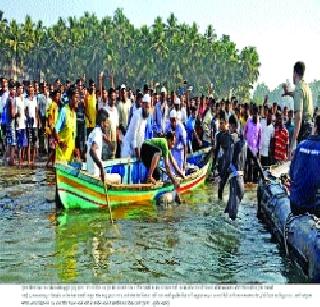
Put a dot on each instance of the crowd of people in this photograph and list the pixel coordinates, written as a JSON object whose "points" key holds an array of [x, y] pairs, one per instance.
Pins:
{"points": [[88, 122]]}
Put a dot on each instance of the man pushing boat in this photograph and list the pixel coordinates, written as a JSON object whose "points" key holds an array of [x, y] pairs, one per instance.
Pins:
{"points": [[155, 149]]}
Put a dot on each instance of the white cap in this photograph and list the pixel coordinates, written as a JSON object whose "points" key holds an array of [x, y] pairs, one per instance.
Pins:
{"points": [[146, 98], [173, 114], [178, 101], [163, 90], [123, 86]]}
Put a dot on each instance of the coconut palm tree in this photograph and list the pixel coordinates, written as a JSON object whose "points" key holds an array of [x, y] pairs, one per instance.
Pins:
{"points": [[166, 52]]}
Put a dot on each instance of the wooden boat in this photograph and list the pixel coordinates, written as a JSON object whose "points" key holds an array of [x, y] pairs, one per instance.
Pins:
{"points": [[77, 189], [300, 235]]}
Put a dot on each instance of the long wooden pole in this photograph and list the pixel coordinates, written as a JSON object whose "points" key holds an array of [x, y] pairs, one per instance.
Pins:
{"points": [[108, 204]]}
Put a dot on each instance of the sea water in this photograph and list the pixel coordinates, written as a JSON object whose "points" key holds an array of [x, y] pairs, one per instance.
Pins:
{"points": [[191, 242]]}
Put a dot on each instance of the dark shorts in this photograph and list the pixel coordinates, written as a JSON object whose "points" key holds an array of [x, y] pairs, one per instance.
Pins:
{"points": [[147, 153], [22, 141], [32, 136], [35, 136], [11, 135], [80, 138]]}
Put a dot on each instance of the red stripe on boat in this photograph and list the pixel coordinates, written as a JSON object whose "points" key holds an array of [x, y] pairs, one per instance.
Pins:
{"points": [[191, 185]]}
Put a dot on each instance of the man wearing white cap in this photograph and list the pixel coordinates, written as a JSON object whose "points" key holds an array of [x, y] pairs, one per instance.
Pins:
{"points": [[179, 151], [160, 113], [135, 135], [177, 106]]}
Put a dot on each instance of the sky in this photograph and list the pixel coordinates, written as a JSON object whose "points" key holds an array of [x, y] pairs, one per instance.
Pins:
{"points": [[284, 31]]}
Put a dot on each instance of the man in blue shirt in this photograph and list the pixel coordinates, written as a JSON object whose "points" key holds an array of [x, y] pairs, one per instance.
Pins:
{"points": [[190, 129], [160, 113], [304, 175], [179, 151]]}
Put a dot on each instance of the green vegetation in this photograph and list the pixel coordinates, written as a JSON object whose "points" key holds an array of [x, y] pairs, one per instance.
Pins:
{"points": [[275, 95], [164, 52]]}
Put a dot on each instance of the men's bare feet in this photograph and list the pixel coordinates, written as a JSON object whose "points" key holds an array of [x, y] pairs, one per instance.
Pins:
{"points": [[151, 180]]}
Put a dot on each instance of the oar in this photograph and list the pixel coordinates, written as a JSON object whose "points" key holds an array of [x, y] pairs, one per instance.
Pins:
{"points": [[106, 194]]}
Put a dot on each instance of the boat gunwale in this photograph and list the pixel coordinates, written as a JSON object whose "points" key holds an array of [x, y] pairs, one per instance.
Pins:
{"points": [[134, 186], [90, 179]]}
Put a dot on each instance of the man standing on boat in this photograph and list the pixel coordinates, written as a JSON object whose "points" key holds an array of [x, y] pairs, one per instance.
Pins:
{"points": [[304, 175], [303, 105], [155, 149], [95, 143]]}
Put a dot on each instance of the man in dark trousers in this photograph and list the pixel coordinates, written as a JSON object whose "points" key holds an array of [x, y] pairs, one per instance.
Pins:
{"points": [[232, 166]]}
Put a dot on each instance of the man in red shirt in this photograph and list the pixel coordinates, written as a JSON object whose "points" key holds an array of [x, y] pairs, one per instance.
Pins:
{"points": [[281, 136]]}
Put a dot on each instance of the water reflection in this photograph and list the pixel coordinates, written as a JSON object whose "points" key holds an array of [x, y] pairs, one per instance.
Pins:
{"points": [[86, 238]]}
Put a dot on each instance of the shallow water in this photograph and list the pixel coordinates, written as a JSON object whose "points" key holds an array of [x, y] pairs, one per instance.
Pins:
{"points": [[194, 242]]}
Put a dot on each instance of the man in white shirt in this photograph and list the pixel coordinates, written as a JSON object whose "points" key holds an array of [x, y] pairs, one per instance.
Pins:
{"points": [[21, 123], [267, 132], [32, 105], [114, 125], [135, 135], [228, 112], [43, 101], [95, 143], [183, 109], [206, 124], [123, 109], [103, 100]]}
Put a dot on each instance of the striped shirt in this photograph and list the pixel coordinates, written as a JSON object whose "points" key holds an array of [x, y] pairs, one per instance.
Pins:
{"points": [[281, 141]]}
